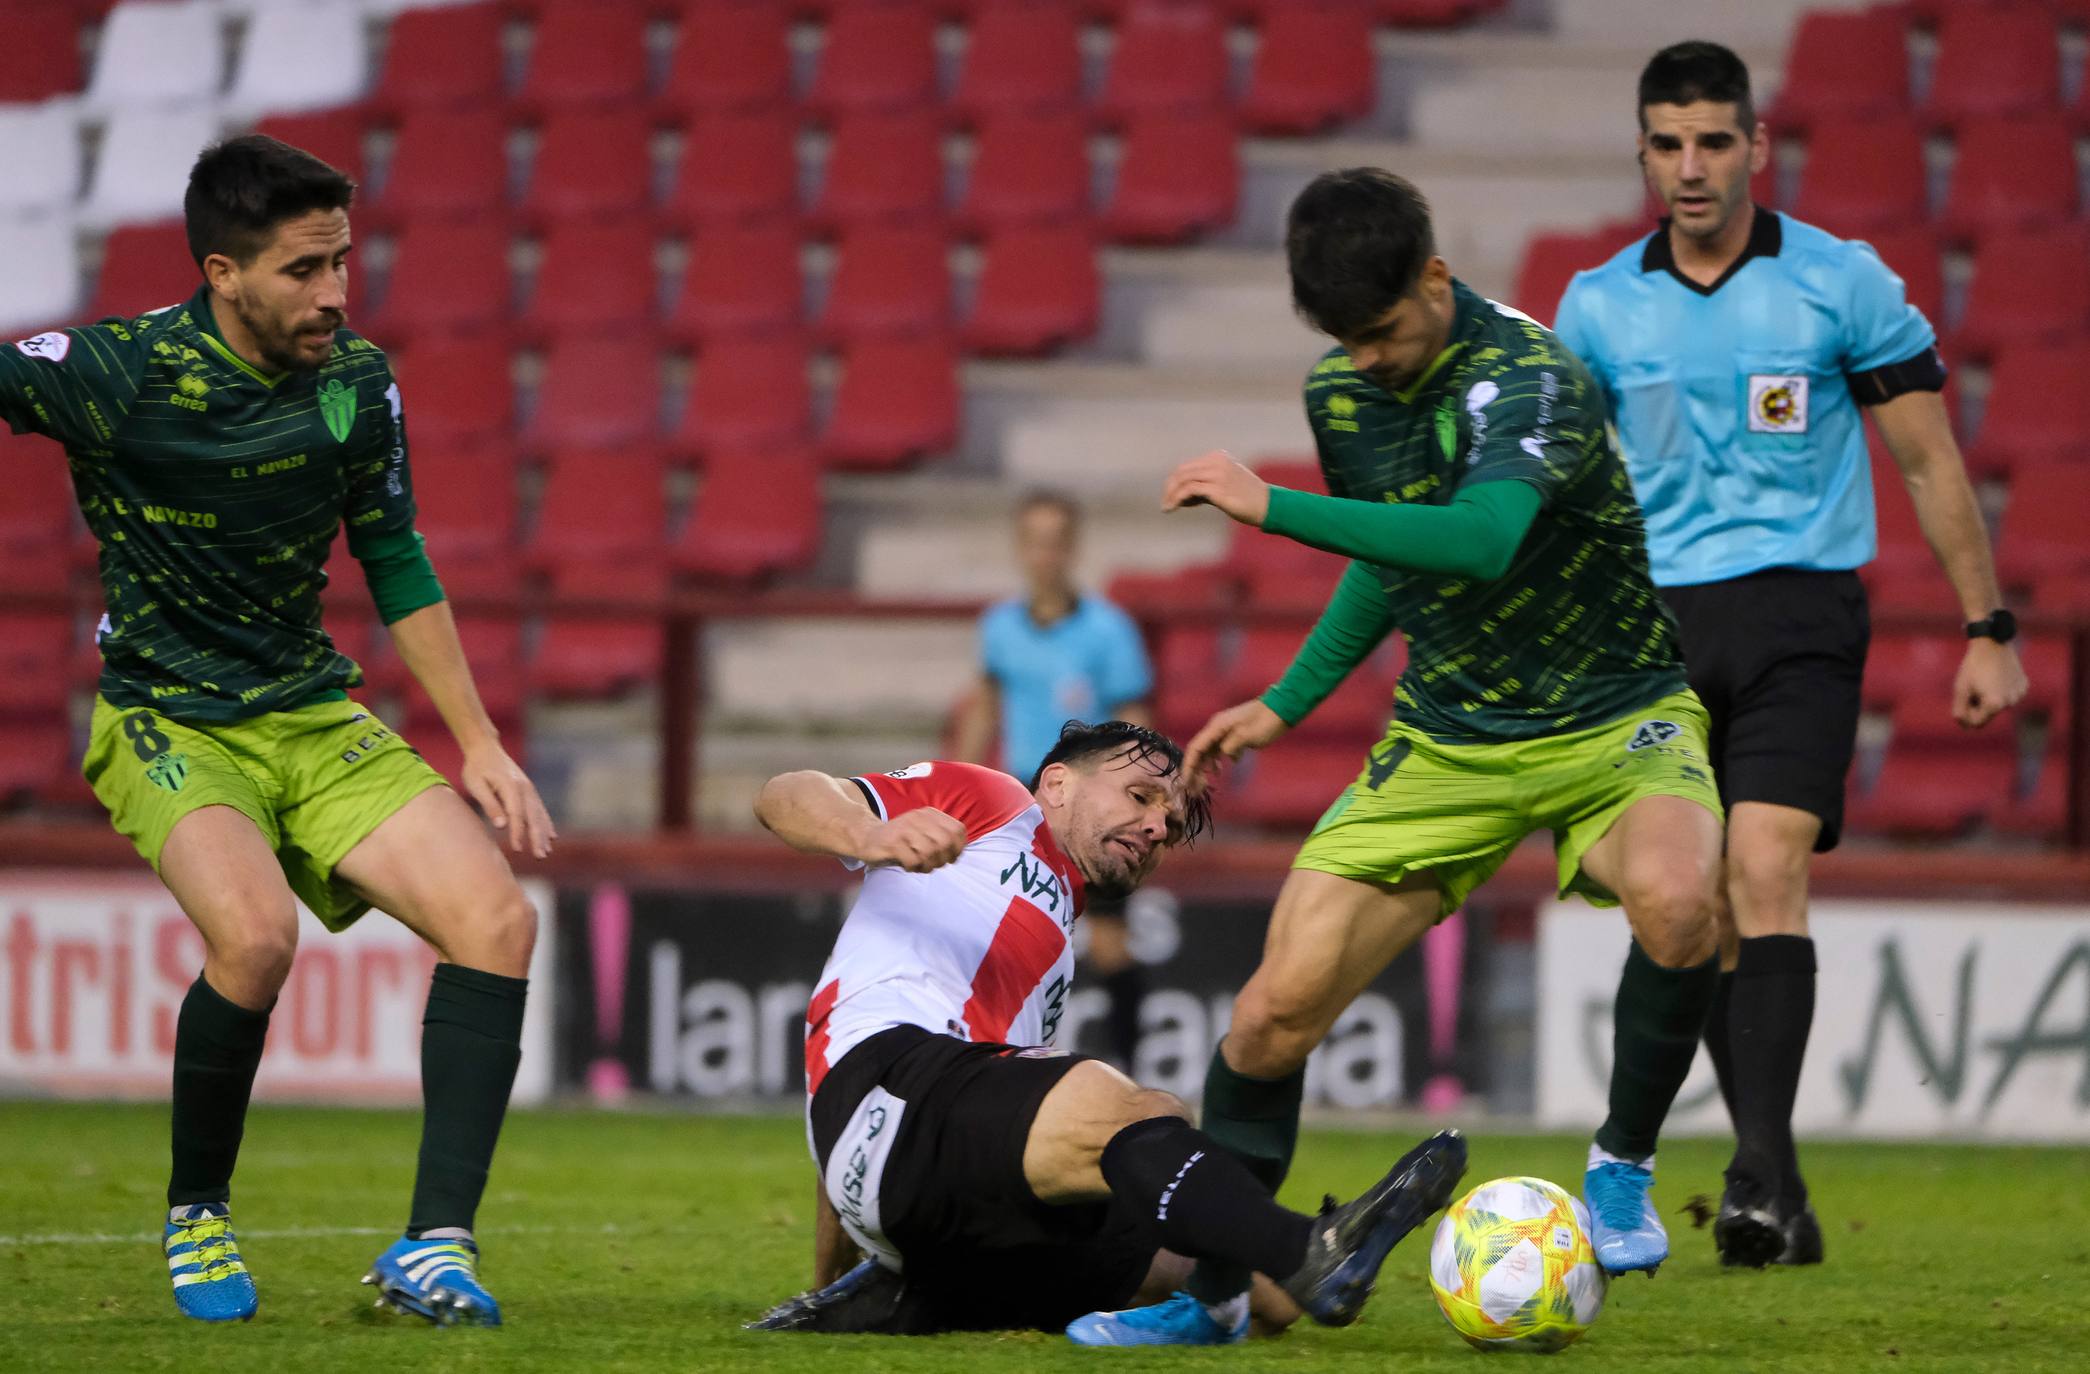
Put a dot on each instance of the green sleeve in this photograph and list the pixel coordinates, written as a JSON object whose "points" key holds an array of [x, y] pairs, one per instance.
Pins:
{"points": [[401, 578], [1357, 619], [1476, 535], [74, 385]]}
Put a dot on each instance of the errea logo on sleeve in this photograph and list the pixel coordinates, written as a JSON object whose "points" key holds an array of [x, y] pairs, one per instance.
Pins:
{"points": [[51, 346]]}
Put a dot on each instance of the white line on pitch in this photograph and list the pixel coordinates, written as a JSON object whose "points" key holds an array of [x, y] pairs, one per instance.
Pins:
{"points": [[287, 1233]]}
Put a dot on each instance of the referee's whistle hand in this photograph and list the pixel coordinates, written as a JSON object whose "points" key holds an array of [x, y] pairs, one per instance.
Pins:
{"points": [[1990, 681]]}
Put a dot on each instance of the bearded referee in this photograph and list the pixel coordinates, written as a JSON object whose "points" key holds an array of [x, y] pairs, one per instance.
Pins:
{"points": [[1737, 346], [216, 447]]}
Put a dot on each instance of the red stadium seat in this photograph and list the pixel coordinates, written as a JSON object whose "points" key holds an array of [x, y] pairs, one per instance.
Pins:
{"points": [[1020, 59], [35, 657], [443, 58], [877, 57], [1911, 669], [2030, 286], [1170, 58], [882, 168], [729, 56], [144, 266], [2044, 524], [591, 164], [1994, 61], [898, 401], [599, 392], [1868, 177], [1938, 792], [757, 514], [888, 282], [1189, 668], [335, 137], [748, 395], [586, 52], [595, 277], [448, 163], [1314, 68], [602, 507], [446, 279], [38, 523], [1552, 259], [1843, 66], [1028, 169], [591, 658], [1039, 290], [2038, 410], [2011, 172], [1289, 785], [2042, 812], [736, 168], [466, 507], [456, 391], [1913, 252], [739, 281], [33, 753], [1431, 14], [1179, 176], [41, 57], [493, 645]]}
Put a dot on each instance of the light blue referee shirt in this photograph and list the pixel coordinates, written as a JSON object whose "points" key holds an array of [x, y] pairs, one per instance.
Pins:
{"points": [[1737, 404], [1087, 662]]}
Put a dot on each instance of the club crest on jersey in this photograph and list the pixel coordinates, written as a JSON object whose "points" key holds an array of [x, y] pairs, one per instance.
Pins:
{"points": [[1652, 733], [168, 771], [1777, 403], [337, 406], [51, 346]]}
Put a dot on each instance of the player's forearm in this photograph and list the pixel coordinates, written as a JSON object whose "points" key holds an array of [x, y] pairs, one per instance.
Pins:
{"points": [[1356, 620], [816, 814], [1919, 436], [427, 644], [1476, 535]]}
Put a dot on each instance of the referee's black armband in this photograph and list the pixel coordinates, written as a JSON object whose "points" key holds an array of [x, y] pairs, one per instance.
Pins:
{"points": [[1878, 385]]}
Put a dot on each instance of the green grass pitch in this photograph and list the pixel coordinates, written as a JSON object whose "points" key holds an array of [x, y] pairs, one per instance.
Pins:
{"points": [[642, 1241]]}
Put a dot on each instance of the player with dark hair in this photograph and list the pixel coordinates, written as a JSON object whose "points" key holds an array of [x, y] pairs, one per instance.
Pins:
{"points": [[1490, 520], [1736, 346], [217, 446], [993, 1181]]}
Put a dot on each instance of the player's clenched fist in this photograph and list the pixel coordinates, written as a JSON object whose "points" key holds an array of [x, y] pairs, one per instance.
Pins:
{"points": [[1230, 734], [918, 841], [1215, 479]]}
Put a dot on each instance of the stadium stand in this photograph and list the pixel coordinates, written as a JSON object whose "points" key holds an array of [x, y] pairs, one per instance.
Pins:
{"points": [[738, 166], [39, 158], [1843, 66], [1020, 60], [448, 57], [1027, 169], [299, 57], [739, 282]]}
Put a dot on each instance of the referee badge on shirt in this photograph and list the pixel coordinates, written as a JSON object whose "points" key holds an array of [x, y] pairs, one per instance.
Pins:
{"points": [[1777, 403]]}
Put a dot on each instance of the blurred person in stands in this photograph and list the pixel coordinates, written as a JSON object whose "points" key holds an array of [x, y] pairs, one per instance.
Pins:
{"points": [[1052, 654], [1736, 346], [990, 1180], [1475, 487], [218, 446]]}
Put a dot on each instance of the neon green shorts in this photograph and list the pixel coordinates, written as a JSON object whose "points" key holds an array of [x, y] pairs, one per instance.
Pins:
{"points": [[1457, 810], [316, 779]]}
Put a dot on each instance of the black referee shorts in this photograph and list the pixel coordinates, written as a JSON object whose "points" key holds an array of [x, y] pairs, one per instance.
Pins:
{"points": [[945, 1193], [1778, 658]]}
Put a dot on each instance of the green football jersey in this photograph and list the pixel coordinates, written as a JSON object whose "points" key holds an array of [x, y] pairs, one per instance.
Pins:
{"points": [[215, 492], [1573, 634]]}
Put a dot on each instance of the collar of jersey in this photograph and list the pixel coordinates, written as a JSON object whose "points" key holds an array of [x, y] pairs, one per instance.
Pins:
{"points": [[207, 326]]}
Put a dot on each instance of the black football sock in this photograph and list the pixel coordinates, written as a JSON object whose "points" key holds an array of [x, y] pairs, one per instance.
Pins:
{"points": [[1203, 1201], [217, 1048], [1718, 1046], [1772, 1012], [1656, 1024], [471, 1041], [1125, 988], [1257, 1120]]}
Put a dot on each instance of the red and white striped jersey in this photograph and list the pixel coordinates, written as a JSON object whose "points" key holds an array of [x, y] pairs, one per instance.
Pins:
{"points": [[978, 949]]}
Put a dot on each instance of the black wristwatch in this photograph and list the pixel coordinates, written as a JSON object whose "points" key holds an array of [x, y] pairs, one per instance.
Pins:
{"points": [[2001, 626]]}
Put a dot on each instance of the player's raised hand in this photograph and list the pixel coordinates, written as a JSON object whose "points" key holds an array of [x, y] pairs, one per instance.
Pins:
{"points": [[1990, 681], [918, 841], [509, 799], [1216, 479], [1228, 735]]}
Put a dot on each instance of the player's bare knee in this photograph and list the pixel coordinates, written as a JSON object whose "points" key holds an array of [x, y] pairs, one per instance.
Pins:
{"points": [[1769, 891], [1148, 1103], [508, 932], [1674, 924], [253, 959]]}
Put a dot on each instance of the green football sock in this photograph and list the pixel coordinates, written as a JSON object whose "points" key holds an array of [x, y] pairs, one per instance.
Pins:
{"points": [[1257, 1120], [1656, 1023], [217, 1048], [471, 1042]]}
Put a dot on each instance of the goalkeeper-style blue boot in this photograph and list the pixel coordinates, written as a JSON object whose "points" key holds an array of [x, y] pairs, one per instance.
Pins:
{"points": [[436, 1278], [211, 1282], [1624, 1229], [1180, 1320]]}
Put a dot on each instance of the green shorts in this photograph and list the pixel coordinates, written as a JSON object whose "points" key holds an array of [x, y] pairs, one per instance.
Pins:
{"points": [[316, 780], [1457, 810]]}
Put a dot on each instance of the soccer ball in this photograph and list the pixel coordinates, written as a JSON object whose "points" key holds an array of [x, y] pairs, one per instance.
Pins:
{"points": [[1512, 1267]]}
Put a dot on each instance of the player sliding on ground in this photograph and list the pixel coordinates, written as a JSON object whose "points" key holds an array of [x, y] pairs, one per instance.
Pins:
{"points": [[1490, 520], [995, 1182], [217, 447]]}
